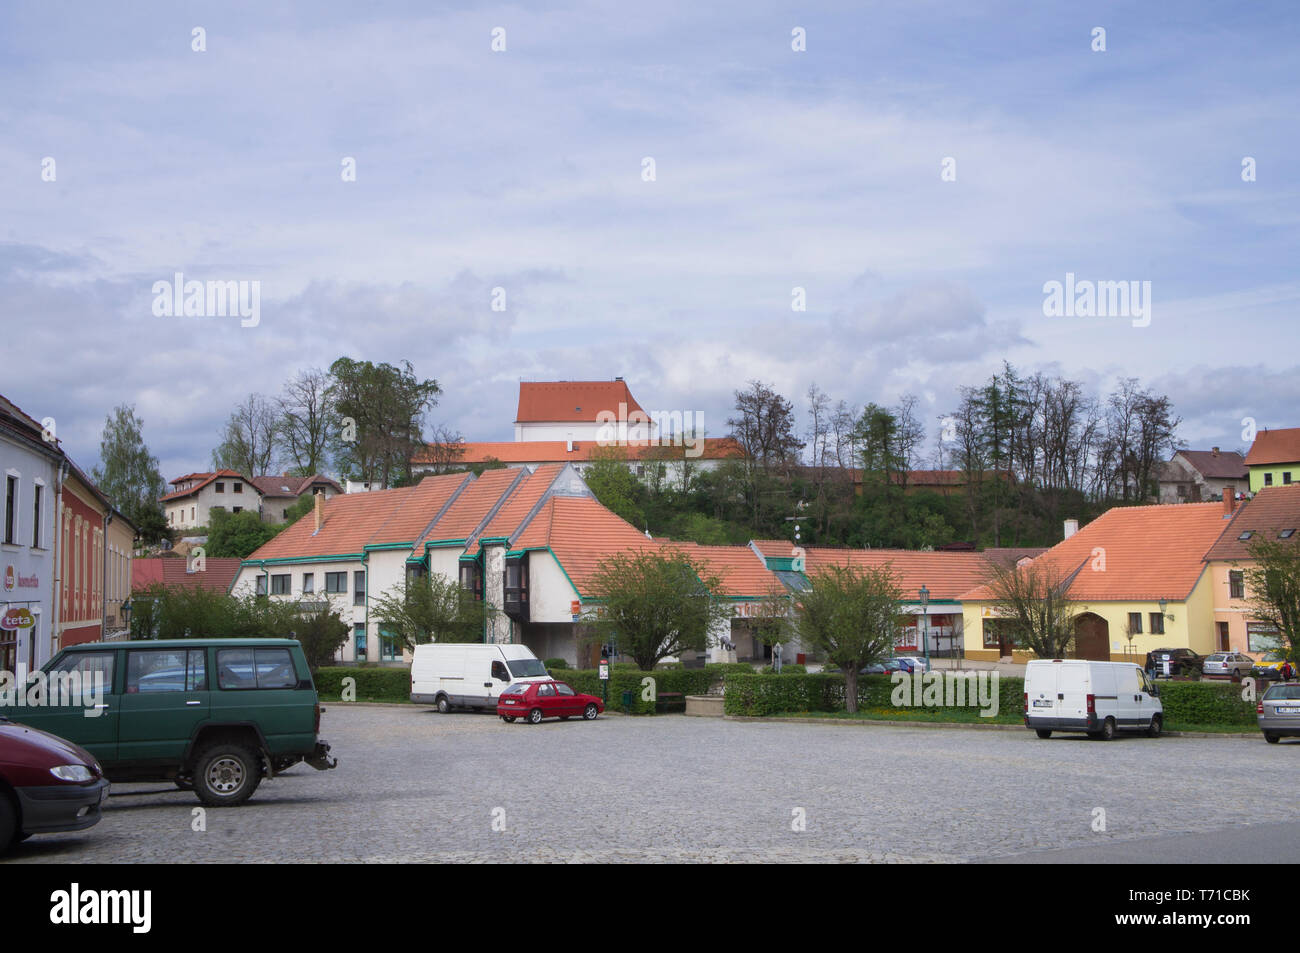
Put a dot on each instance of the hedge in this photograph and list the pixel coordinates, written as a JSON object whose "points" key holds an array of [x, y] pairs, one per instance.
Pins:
{"points": [[555, 663], [373, 684], [683, 681]]}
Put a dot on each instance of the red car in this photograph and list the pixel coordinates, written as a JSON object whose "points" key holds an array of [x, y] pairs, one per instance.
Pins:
{"points": [[537, 700], [46, 785]]}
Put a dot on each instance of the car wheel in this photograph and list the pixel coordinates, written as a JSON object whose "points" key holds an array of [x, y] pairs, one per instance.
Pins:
{"points": [[508, 719], [1157, 723], [1107, 732], [1272, 739], [227, 774], [9, 832], [535, 716], [444, 706], [1043, 732], [590, 712]]}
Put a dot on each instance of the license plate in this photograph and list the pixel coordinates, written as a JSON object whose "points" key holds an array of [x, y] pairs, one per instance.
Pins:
{"points": [[103, 795], [1287, 711], [1042, 703], [510, 701]]}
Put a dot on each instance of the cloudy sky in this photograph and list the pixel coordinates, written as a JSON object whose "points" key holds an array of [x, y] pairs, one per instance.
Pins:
{"points": [[523, 169]]}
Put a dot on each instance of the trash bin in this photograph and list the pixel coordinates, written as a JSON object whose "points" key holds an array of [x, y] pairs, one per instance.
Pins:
{"points": [[627, 701]]}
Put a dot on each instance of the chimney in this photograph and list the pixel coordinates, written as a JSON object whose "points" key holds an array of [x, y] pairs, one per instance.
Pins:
{"points": [[1071, 527], [1229, 503], [318, 508], [1214, 451]]}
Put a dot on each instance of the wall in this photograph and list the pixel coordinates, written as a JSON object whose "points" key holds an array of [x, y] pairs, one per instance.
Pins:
{"points": [[28, 572], [1278, 471]]}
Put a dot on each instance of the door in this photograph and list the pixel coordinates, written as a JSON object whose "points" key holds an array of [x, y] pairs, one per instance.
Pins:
{"points": [[548, 700], [1223, 636], [567, 700], [1128, 694], [165, 697], [498, 679], [79, 703], [1072, 688]]}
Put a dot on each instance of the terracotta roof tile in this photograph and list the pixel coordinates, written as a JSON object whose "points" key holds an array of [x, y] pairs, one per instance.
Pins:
{"points": [[526, 495], [581, 533], [557, 451], [571, 401], [471, 507], [1222, 465], [204, 479], [1275, 446], [218, 573], [1272, 510], [1151, 552]]}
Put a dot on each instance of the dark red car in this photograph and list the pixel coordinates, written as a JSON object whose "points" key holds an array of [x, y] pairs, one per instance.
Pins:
{"points": [[537, 700], [46, 785]]}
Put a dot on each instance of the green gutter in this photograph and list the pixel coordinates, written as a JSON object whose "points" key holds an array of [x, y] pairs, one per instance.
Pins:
{"points": [[342, 557], [439, 543]]}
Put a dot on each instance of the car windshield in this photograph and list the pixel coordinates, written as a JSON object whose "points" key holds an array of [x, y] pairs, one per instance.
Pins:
{"points": [[1289, 692], [526, 667]]}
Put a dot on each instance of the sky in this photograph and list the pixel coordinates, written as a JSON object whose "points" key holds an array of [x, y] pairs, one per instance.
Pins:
{"points": [[920, 169]]}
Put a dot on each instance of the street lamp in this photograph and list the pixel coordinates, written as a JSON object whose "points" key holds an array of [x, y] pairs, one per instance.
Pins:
{"points": [[925, 623]]}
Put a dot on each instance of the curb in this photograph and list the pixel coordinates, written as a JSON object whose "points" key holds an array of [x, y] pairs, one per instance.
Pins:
{"points": [[871, 722]]}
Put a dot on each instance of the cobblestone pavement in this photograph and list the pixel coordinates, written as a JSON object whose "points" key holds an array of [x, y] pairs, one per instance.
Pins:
{"points": [[415, 786]]}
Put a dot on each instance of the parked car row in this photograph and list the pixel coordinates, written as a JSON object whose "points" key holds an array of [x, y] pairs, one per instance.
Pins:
{"points": [[215, 716], [1173, 662]]}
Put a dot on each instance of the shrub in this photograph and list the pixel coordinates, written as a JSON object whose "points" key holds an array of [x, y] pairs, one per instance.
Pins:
{"points": [[555, 663], [787, 668], [373, 684], [1205, 703], [683, 681]]}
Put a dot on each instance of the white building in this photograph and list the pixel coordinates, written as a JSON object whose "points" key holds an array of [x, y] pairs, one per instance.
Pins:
{"points": [[28, 541]]}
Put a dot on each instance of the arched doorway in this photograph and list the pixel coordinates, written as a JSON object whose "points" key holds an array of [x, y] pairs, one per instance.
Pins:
{"points": [[1092, 638]]}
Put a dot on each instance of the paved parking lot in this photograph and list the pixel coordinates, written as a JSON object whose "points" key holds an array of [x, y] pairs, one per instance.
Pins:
{"points": [[413, 785]]}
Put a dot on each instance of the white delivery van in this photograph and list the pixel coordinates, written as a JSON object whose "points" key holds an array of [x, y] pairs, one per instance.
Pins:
{"points": [[470, 674], [1099, 698]]}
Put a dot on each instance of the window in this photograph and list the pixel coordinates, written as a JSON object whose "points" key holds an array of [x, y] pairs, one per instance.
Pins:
{"points": [[359, 588], [221, 487], [286, 514], [390, 648], [255, 669], [1236, 584], [191, 512], [36, 521], [1182, 491], [308, 582], [95, 669], [1286, 534], [237, 487], [544, 691], [336, 582], [171, 671], [1135, 623], [1268, 479], [563, 689], [471, 577], [499, 672], [11, 509], [280, 585], [261, 585], [236, 509], [1157, 620], [359, 637], [1286, 477], [1246, 535]]}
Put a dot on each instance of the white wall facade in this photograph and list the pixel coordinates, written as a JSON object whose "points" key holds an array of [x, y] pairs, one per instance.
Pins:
{"points": [[27, 565]]}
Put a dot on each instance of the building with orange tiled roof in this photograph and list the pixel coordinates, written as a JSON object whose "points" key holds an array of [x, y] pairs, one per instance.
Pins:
{"points": [[193, 496], [1274, 458], [1139, 576], [575, 422], [1273, 514]]}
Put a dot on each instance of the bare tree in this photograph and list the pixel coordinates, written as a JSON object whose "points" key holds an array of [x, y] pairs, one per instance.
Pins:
{"points": [[248, 441], [307, 422]]}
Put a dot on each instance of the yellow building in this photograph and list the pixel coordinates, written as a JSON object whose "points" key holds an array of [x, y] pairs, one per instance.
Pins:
{"points": [[1139, 575]]}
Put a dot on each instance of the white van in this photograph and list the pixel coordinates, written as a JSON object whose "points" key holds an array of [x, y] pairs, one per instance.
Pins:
{"points": [[1099, 698], [470, 674]]}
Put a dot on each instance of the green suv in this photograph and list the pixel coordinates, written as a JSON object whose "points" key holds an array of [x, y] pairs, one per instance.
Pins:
{"points": [[215, 715]]}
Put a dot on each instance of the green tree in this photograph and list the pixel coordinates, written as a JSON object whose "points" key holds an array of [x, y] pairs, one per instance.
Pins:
{"points": [[430, 609], [381, 410], [655, 603], [128, 474], [322, 633], [237, 534], [852, 617], [614, 484], [1274, 586]]}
